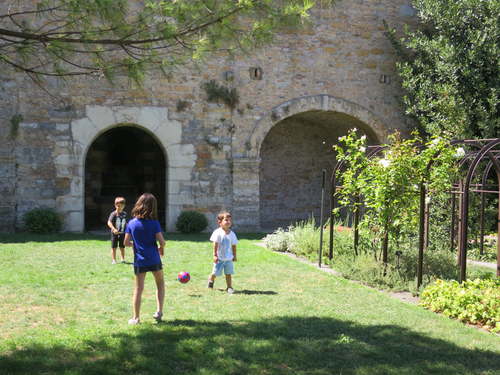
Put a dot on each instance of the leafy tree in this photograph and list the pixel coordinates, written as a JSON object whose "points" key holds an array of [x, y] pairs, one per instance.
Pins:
{"points": [[105, 37], [388, 185], [450, 67]]}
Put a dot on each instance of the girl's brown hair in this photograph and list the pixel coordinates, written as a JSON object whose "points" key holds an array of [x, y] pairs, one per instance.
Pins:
{"points": [[146, 207]]}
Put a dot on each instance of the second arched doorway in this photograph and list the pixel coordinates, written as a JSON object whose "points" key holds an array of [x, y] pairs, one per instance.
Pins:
{"points": [[292, 155], [123, 161]]}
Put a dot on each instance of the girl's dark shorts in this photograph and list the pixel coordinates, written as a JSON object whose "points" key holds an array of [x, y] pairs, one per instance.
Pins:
{"points": [[117, 239], [142, 269]]}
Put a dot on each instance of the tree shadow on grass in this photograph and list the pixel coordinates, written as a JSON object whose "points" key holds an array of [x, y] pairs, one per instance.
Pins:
{"points": [[288, 345]]}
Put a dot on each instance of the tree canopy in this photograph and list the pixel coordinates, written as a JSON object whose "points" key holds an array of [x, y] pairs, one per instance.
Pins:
{"points": [[105, 37], [450, 68]]}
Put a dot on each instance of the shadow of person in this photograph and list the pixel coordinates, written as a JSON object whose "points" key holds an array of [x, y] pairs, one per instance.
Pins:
{"points": [[252, 292]]}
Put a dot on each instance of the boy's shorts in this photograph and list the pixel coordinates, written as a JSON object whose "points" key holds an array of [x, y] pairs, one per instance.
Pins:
{"points": [[117, 240], [226, 265]]}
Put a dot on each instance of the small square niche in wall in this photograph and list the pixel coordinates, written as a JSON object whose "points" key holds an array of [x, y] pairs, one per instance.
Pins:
{"points": [[255, 73]]}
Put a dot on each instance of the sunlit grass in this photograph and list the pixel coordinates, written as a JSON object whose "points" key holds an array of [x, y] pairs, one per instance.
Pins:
{"points": [[64, 309]]}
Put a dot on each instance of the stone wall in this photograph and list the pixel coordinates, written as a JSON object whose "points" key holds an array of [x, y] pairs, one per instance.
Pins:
{"points": [[341, 63], [8, 131]]}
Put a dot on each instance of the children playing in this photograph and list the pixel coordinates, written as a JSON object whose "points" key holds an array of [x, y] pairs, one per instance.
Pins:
{"points": [[225, 242], [144, 231], [116, 222]]}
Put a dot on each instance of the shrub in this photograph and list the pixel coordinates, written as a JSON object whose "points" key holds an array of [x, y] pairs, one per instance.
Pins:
{"points": [[303, 238], [489, 254], [42, 220], [278, 240], [191, 222], [474, 301], [438, 264]]}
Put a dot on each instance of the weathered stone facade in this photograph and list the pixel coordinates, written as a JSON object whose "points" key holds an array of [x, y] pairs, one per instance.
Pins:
{"points": [[336, 74]]}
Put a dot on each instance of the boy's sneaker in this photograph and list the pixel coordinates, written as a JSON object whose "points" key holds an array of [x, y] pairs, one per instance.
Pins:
{"points": [[133, 321], [157, 316], [210, 284], [113, 262], [230, 290], [123, 261]]}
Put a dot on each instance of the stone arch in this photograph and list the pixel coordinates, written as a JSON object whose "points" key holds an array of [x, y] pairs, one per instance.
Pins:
{"points": [[321, 102], [292, 157], [98, 119], [247, 202], [124, 160]]}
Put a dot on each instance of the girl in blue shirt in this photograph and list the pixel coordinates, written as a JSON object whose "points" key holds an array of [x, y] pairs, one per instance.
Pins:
{"points": [[143, 232]]}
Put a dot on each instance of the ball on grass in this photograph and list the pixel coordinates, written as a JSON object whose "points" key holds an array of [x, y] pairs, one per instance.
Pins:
{"points": [[183, 277]]}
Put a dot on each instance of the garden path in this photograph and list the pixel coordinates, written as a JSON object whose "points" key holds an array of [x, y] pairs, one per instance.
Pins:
{"points": [[483, 264]]}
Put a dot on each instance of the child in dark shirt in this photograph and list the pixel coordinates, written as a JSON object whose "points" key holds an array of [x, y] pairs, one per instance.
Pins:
{"points": [[116, 222]]}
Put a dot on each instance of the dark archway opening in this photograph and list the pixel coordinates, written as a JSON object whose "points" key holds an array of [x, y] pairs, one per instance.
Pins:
{"points": [[293, 155], [124, 161]]}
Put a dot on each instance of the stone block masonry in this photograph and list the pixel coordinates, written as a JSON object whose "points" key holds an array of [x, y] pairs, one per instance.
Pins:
{"points": [[320, 80]]}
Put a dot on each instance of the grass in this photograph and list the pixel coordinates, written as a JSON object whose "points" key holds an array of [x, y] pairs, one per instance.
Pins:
{"points": [[64, 310]]}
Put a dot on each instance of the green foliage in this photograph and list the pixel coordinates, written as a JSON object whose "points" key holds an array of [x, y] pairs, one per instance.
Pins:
{"points": [[110, 37], [474, 301], [191, 222], [449, 67], [216, 93], [398, 274], [388, 186], [489, 252], [42, 220], [303, 239], [14, 125]]}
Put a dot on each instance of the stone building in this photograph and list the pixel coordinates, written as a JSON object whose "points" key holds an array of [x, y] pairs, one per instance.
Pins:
{"points": [[261, 159]]}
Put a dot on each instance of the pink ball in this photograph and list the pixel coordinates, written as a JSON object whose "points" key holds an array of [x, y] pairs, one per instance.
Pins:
{"points": [[183, 277]]}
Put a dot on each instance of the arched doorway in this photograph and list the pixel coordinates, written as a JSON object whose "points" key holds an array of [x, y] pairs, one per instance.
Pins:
{"points": [[293, 154], [123, 161]]}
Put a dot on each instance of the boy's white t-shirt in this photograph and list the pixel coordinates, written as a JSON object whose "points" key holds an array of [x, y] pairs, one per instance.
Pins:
{"points": [[226, 242]]}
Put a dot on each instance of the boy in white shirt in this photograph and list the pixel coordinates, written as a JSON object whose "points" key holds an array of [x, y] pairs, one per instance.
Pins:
{"points": [[225, 242]]}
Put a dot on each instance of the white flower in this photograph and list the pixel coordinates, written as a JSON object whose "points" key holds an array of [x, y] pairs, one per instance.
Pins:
{"points": [[362, 149], [324, 142], [384, 162], [427, 200], [363, 137], [435, 141], [460, 153]]}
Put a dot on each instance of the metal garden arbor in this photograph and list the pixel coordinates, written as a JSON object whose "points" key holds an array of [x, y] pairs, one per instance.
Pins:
{"points": [[481, 155]]}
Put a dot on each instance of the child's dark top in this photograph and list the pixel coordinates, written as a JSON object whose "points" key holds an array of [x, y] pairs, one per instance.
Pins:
{"points": [[119, 220]]}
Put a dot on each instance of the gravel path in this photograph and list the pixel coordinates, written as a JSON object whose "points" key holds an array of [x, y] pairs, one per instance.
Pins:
{"points": [[483, 264]]}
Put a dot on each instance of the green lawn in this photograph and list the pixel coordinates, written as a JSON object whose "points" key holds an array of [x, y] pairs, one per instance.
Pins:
{"points": [[64, 309]]}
